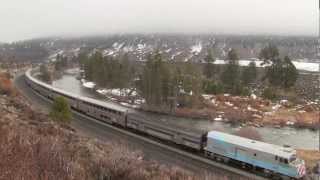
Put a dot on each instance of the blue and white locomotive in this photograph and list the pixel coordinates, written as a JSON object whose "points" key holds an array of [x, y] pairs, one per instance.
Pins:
{"points": [[271, 158]]}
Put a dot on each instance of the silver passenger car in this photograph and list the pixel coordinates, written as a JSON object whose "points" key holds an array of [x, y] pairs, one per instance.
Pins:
{"points": [[146, 125], [107, 112]]}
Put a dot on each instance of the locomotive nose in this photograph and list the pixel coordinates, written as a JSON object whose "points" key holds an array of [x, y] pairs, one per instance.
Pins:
{"points": [[301, 170]]}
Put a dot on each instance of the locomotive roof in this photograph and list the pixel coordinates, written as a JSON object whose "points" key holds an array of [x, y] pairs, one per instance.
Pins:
{"points": [[276, 150], [109, 105], [151, 120]]}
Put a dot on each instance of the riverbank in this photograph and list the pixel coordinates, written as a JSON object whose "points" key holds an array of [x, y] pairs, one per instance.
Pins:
{"points": [[311, 157], [245, 111]]}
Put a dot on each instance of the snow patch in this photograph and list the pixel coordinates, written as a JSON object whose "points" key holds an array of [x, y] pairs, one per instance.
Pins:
{"points": [[196, 49], [89, 85]]}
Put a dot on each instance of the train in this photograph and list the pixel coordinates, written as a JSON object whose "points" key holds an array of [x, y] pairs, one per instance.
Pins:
{"points": [[271, 160]]}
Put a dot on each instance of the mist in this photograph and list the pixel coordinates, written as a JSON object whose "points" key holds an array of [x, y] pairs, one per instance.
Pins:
{"points": [[39, 18]]}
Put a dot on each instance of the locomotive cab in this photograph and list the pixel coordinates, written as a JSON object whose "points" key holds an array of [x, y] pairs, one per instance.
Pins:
{"points": [[298, 164]]}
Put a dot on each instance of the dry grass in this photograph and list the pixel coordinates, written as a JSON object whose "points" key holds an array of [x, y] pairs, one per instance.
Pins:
{"points": [[311, 157], [6, 86]]}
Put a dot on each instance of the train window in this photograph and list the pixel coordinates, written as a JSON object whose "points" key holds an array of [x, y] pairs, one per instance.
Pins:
{"points": [[255, 154], [281, 160], [286, 161], [276, 158]]}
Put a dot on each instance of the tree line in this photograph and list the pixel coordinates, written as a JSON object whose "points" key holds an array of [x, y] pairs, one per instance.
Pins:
{"points": [[108, 71], [166, 84]]}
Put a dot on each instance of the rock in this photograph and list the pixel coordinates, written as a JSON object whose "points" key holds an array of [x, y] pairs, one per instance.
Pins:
{"points": [[309, 108], [290, 123], [253, 96]]}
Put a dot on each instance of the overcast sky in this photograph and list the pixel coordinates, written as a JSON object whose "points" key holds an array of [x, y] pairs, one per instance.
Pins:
{"points": [[24, 19]]}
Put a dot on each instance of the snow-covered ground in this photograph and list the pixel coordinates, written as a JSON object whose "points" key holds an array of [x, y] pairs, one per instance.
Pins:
{"points": [[88, 84], [196, 49], [304, 66], [117, 92]]}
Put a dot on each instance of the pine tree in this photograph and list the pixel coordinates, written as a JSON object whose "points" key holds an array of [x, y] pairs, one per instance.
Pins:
{"points": [[60, 110], [249, 74], [230, 76], [290, 73], [45, 74], [269, 54], [209, 68], [282, 73]]}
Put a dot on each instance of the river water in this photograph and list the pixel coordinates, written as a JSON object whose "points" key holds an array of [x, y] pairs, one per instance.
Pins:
{"points": [[297, 138]]}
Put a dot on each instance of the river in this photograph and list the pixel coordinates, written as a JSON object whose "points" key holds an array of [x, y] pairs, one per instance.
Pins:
{"points": [[297, 138]]}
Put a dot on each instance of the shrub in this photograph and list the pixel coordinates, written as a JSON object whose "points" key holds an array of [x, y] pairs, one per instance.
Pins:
{"points": [[6, 86], [61, 111], [269, 93], [213, 88]]}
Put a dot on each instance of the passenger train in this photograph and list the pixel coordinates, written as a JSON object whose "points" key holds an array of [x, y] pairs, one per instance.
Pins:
{"points": [[271, 160]]}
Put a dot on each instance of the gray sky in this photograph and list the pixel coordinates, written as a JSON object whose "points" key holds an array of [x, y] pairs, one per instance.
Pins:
{"points": [[24, 19]]}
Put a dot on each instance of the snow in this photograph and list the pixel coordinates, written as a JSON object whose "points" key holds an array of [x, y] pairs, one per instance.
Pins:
{"points": [[218, 119], [253, 96], [168, 50], [176, 54], [102, 91], [117, 92], [284, 102], [207, 96], [276, 107], [251, 109], [196, 49], [90, 85], [290, 123], [312, 67], [304, 66], [128, 49]]}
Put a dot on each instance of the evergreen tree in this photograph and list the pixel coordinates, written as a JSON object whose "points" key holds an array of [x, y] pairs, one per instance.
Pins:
{"points": [[282, 73], [60, 110], [45, 74], [249, 74], [269, 54], [230, 76], [61, 62], [290, 73], [209, 66]]}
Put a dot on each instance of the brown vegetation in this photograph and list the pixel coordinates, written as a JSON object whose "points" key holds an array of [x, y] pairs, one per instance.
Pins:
{"points": [[6, 86], [311, 157]]}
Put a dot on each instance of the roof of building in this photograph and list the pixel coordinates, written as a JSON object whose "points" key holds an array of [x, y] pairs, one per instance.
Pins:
{"points": [[276, 150]]}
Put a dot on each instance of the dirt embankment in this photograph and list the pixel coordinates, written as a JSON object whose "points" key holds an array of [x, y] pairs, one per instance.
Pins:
{"points": [[311, 157], [254, 111], [34, 147]]}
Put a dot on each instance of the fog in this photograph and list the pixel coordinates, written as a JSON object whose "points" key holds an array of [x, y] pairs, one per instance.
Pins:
{"points": [[25, 19]]}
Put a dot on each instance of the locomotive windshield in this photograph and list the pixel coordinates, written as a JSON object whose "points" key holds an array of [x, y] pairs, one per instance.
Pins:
{"points": [[293, 158]]}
